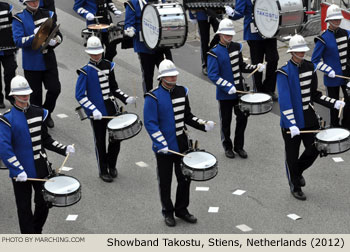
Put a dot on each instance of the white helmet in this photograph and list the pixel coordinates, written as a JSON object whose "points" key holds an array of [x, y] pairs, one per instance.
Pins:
{"points": [[226, 27], [20, 86], [167, 68], [334, 12], [297, 44], [94, 46]]}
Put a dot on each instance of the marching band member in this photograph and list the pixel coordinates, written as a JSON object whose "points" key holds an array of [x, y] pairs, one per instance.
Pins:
{"points": [[225, 64], [91, 10], [148, 58], [7, 51], [23, 140], [332, 46], [39, 67], [96, 89], [166, 111], [259, 47], [297, 90]]}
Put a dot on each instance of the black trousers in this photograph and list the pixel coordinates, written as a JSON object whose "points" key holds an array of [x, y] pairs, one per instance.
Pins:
{"points": [[333, 92], [106, 159], [260, 49], [204, 33], [110, 47], [9, 64], [148, 62], [30, 223], [165, 164], [51, 83], [225, 111], [295, 165]]}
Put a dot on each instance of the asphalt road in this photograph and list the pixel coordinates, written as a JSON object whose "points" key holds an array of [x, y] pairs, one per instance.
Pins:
{"points": [[131, 203]]}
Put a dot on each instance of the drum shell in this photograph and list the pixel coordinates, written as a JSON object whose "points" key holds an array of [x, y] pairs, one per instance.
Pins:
{"points": [[115, 33], [81, 113], [125, 133], [256, 108], [333, 147]]}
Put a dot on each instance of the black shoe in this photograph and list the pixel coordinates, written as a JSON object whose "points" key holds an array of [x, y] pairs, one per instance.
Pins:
{"points": [[301, 181], [299, 195], [229, 154], [242, 153], [2, 105], [170, 221], [113, 172], [49, 122], [106, 178], [205, 71], [188, 218]]}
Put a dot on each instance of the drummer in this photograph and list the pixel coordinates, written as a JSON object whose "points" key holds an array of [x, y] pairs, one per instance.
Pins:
{"points": [[23, 140], [148, 58], [331, 56], [297, 90], [39, 67], [97, 11], [96, 90], [166, 111], [225, 67]]}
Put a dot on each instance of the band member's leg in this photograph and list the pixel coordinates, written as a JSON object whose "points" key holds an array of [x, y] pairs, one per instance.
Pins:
{"points": [[225, 113], [35, 80], [333, 92], [269, 84], [53, 86], [310, 153], [182, 191], [241, 124], [161, 53], [257, 52], [99, 131], [112, 156], [10, 65], [215, 25], [204, 33], [346, 111], [111, 47], [148, 63], [41, 207]]}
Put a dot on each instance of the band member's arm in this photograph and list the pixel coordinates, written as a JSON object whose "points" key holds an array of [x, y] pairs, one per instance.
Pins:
{"points": [[213, 73], [130, 15], [240, 6], [79, 8], [6, 151], [151, 121], [80, 92], [113, 85], [317, 96], [317, 55], [284, 99], [190, 119], [19, 37]]}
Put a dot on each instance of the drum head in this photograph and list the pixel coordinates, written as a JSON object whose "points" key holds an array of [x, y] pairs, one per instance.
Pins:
{"points": [[122, 121], [199, 160], [62, 185], [266, 15], [332, 135], [256, 98], [150, 26]]}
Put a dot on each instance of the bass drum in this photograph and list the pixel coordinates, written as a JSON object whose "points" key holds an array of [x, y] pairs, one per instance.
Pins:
{"points": [[278, 18], [164, 25]]}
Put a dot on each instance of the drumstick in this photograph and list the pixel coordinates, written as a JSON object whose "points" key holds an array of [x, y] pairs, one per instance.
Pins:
{"points": [[341, 108], [177, 153], [106, 117], [307, 131], [343, 77], [58, 170], [255, 70], [37, 179], [243, 92]]}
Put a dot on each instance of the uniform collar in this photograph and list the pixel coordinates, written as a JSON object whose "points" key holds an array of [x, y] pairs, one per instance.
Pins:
{"points": [[32, 12], [24, 110], [333, 31], [167, 89], [295, 63], [226, 46], [95, 63]]}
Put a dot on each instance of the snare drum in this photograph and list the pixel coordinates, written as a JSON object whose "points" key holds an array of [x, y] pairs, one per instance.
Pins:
{"points": [[2, 165], [164, 25], [62, 191], [114, 33], [333, 141], [199, 165], [256, 103], [277, 18], [124, 126]]}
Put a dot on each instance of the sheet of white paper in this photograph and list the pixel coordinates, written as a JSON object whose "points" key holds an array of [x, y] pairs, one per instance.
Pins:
{"points": [[62, 116], [65, 168], [338, 159], [244, 228], [203, 189], [213, 209], [141, 164], [294, 216], [72, 217], [238, 192]]}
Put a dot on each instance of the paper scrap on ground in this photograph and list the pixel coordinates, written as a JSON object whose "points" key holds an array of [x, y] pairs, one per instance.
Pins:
{"points": [[294, 216], [62, 116], [244, 228], [204, 189], [213, 209], [238, 192], [338, 159], [65, 168], [72, 217], [141, 164]]}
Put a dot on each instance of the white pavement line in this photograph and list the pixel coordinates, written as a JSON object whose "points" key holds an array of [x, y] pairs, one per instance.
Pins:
{"points": [[72, 217], [203, 189], [238, 192], [338, 159], [65, 168], [213, 209], [141, 164], [294, 216], [244, 228], [62, 116]]}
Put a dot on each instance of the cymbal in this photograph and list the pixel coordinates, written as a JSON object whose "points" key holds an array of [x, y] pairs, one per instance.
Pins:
{"points": [[42, 34], [98, 26]]}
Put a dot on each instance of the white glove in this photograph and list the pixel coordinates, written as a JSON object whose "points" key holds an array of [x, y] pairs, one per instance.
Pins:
{"points": [[348, 85], [331, 74], [97, 114], [36, 30], [193, 21], [90, 16], [294, 130], [22, 177], [70, 149], [229, 11], [52, 42], [117, 13], [131, 100], [209, 126], [261, 67], [130, 32], [232, 90], [164, 150], [338, 103]]}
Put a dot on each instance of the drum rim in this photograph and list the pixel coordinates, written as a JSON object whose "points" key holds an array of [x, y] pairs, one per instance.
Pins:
{"points": [[137, 119], [335, 141], [66, 194], [68, 204], [202, 169], [260, 102], [203, 180]]}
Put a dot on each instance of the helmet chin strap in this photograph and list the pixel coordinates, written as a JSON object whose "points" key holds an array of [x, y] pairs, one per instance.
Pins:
{"points": [[170, 83], [334, 25], [227, 41], [19, 99], [298, 57]]}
